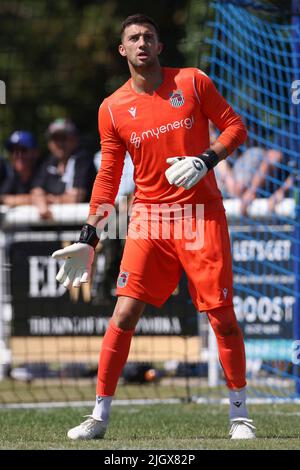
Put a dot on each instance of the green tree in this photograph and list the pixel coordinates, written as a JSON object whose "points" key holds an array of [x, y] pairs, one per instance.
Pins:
{"points": [[60, 59]]}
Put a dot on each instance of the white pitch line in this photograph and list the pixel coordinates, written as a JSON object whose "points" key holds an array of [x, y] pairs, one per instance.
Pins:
{"points": [[156, 401], [250, 400], [78, 404]]}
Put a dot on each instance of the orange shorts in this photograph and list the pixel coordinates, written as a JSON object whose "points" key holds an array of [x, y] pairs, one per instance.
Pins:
{"points": [[151, 268]]}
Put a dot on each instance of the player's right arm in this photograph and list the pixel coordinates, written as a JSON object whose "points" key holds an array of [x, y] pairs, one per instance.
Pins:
{"points": [[79, 256]]}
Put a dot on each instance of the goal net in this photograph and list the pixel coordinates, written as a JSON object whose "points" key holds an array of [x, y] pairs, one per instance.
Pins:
{"points": [[254, 62]]}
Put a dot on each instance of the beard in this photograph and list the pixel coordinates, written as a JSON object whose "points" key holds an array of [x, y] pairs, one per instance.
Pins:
{"points": [[138, 64]]}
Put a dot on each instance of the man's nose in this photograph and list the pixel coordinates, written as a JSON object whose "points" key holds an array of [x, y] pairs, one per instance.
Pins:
{"points": [[141, 41]]}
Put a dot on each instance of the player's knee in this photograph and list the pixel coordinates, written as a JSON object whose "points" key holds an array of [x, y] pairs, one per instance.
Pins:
{"points": [[127, 314], [124, 319], [232, 329], [226, 329], [224, 324]]}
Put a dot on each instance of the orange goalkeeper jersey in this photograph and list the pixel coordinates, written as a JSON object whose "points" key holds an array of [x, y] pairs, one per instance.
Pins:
{"points": [[171, 122]]}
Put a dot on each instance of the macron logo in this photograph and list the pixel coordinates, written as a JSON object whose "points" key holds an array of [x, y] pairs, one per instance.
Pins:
{"points": [[237, 403], [132, 111], [225, 292]]}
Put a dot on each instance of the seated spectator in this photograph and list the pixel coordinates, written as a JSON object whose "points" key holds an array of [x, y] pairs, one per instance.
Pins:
{"points": [[247, 175], [286, 174], [262, 183], [21, 174], [278, 172], [237, 174], [285, 190], [68, 174]]}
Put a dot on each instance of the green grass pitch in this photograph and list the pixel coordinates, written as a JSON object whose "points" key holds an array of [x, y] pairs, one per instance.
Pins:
{"points": [[182, 426]]}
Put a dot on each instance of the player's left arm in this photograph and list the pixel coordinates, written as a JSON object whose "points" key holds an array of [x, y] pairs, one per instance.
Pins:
{"points": [[187, 172], [218, 110]]}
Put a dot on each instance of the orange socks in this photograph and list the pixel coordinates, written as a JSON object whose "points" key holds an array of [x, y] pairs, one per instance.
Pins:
{"points": [[116, 345], [113, 356], [230, 345]]}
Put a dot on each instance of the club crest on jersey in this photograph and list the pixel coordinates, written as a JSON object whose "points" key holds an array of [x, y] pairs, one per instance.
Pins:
{"points": [[176, 98], [122, 279]]}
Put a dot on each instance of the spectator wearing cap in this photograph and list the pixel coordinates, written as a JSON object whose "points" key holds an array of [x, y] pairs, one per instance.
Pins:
{"points": [[20, 175], [68, 174]]}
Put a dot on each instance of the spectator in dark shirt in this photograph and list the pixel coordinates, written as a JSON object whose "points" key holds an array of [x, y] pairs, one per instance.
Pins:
{"points": [[20, 175], [68, 174], [4, 172]]}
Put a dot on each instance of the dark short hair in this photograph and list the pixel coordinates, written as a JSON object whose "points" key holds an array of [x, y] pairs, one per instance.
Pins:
{"points": [[138, 18]]}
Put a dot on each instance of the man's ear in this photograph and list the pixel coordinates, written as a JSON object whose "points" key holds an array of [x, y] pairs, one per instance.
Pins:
{"points": [[160, 47], [122, 50]]}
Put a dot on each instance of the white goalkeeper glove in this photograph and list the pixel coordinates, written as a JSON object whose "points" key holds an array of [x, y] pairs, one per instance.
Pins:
{"points": [[78, 258], [77, 267], [187, 171]]}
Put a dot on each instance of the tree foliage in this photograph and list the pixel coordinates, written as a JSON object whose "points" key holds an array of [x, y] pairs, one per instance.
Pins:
{"points": [[60, 59]]}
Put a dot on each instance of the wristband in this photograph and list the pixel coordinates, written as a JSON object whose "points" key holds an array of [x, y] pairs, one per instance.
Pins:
{"points": [[88, 235], [210, 158]]}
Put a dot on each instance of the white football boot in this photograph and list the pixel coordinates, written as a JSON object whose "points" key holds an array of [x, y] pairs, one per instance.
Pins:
{"points": [[242, 428], [90, 429]]}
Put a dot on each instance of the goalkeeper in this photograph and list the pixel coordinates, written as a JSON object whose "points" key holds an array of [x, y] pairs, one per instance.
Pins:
{"points": [[160, 116]]}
